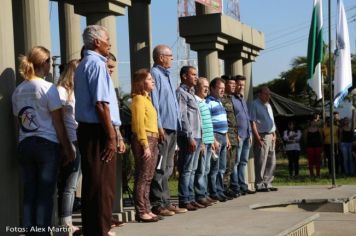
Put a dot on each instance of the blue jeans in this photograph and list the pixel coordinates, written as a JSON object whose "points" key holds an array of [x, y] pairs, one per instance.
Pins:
{"points": [[187, 165], [67, 184], [201, 174], [346, 151], [238, 175], [218, 167], [39, 162]]}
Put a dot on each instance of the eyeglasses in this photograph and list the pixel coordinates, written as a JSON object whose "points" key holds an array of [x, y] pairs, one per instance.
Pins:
{"points": [[106, 41], [48, 60], [167, 55]]}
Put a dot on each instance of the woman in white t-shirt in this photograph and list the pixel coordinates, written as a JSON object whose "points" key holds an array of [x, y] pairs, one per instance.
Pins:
{"points": [[69, 174], [38, 108], [292, 136]]}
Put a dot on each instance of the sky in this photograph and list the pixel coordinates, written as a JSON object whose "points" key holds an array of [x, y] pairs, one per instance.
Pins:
{"points": [[285, 24]]}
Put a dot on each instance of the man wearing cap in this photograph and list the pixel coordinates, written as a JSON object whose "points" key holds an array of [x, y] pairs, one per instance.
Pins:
{"points": [[231, 155]]}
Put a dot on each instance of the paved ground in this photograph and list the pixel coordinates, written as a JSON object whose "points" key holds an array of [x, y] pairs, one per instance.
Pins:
{"points": [[236, 217]]}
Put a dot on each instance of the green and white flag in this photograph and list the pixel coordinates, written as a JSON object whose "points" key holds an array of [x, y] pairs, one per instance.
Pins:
{"points": [[343, 72], [315, 49]]}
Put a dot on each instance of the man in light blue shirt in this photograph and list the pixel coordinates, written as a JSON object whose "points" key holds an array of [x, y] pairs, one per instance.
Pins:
{"points": [[165, 101], [263, 128], [97, 115]]}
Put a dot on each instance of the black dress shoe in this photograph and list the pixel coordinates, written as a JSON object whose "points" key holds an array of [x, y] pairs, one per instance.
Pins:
{"points": [[273, 189], [230, 193], [204, 201], [218, 198], [212, 201], [188, 206], [227, 197], [262, 190], [198, 205], [248, 192]]}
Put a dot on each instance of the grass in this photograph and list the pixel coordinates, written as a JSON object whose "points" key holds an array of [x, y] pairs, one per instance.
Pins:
{"points": [[282, 177]]}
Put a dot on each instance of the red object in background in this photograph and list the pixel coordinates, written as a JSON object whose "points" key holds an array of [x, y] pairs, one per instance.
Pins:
{"points": [[216, 4]]}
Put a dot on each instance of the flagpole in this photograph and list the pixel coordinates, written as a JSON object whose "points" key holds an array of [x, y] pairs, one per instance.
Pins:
{"points": [[331, 103], [323, 98]]}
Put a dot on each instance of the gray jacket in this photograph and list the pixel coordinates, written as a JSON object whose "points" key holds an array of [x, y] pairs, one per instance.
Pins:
{"points": [[190, 114]]}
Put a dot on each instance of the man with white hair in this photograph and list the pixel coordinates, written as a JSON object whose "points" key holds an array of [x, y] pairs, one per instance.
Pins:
{"points": [[99, 138], [165, 101]]}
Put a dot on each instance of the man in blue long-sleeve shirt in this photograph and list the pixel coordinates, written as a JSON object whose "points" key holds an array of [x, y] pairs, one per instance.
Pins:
{"points": [[165, 101], [244, 131]]}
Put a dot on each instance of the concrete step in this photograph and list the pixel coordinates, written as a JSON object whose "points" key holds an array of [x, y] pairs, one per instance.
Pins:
{"points": [[304, 228], [336, 205]]}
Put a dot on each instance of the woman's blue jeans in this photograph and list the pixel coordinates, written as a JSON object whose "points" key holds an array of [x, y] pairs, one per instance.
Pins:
{"points": [[39, 162], [67, 184]]}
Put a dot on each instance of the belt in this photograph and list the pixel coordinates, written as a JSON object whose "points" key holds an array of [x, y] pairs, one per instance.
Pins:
{"points": [[219, 133], [151, 134], [265, 133]]}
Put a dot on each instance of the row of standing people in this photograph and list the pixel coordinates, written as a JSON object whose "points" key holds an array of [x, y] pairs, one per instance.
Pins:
{"points": [[51, 137], [199, 124], [317, 141], [157, 122]]}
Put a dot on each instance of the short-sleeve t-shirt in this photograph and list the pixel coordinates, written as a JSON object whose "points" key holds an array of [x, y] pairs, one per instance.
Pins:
{"points": [[68, 104], [32, 102]]}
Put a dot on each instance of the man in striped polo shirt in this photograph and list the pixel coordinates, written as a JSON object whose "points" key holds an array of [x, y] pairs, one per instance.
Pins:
{"points": [[201, 174], [220, 127]]}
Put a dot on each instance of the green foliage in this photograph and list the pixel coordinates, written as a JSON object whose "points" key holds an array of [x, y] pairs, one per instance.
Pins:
{"points": [[293, 82]]}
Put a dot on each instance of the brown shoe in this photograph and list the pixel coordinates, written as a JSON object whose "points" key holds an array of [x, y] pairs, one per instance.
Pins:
{"points": [[198, 205], [176, 209], [204, 201], [116, 223], [212, 201], [162, 211], [188, 206]]}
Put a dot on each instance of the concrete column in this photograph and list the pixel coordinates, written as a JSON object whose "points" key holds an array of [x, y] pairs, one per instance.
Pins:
{"points": [[140, 34], [36, 24], [208, 60], [247, 72], [109, 22], [69, 30], [9, 172], [233, 66], [208, 64]]}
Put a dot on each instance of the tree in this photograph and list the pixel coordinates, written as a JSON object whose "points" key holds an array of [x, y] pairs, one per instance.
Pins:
{"points": [[293, 82]]}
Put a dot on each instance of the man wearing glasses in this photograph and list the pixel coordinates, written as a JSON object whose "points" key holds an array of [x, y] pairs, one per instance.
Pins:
{"points": [[165, 101]]}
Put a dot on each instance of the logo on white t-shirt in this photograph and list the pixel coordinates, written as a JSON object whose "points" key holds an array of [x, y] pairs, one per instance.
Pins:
{"points": [[27, 118]]}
